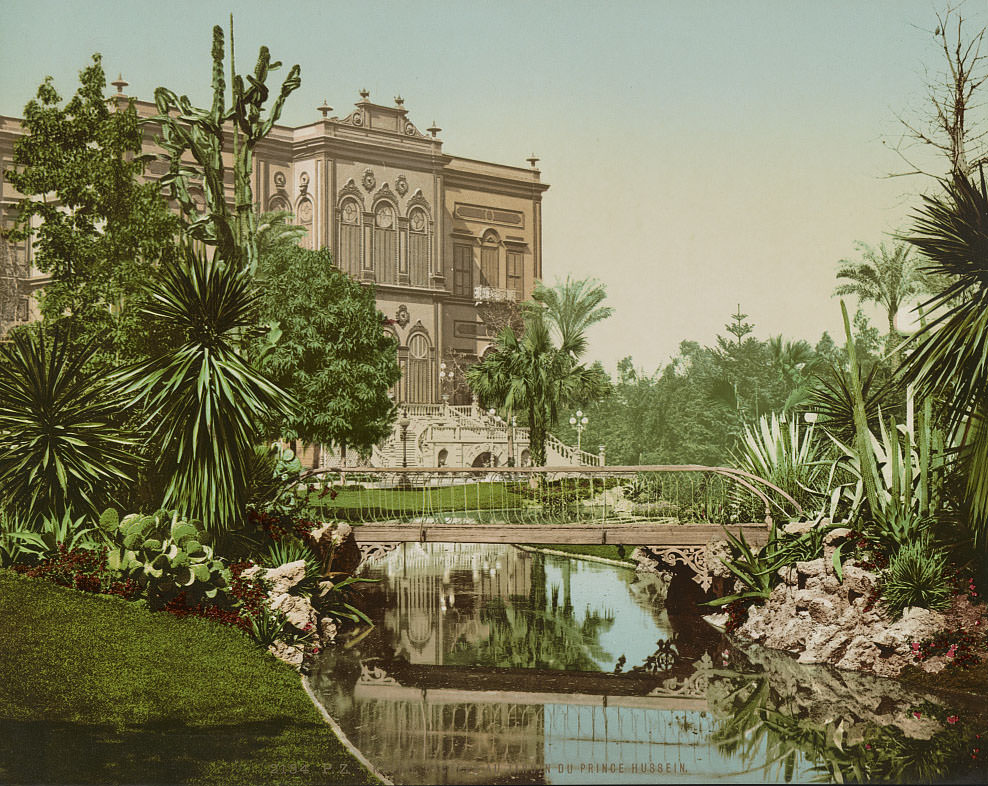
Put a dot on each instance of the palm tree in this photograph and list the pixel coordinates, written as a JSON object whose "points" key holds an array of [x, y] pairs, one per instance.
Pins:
{"points": [[534, 375], [951, 355], [889, 277], [570, 308]]}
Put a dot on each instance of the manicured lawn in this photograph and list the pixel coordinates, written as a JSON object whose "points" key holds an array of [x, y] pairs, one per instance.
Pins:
{"points": [[94, 689]]}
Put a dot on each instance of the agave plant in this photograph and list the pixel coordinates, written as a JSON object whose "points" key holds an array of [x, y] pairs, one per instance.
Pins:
{"points": [[205, 404], [55, 532], [60, 448]]}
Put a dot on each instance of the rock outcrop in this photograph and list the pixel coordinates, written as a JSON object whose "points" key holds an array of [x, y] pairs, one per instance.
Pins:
{"points": [[822, 619], [301, 610]]}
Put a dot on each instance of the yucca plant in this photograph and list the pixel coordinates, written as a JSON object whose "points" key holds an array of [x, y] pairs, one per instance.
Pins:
{"points": [[205, 404], [287, 550], [950, 352], [785, 454], [60, 447], [916, 576]]}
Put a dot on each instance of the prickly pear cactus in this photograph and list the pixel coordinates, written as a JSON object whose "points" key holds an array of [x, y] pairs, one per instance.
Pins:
{"points": [[165, 555]]}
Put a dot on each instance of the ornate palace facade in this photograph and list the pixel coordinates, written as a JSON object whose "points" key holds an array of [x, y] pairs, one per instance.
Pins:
{"points": [[437, 234]]}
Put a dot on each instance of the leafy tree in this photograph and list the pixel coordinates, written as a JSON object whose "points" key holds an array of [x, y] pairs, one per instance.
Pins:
{"points": [[101, 230], [333, 355], [888, 276]]}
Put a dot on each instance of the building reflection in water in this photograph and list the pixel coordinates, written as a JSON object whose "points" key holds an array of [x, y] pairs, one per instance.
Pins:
{"points": [[460, 681]]}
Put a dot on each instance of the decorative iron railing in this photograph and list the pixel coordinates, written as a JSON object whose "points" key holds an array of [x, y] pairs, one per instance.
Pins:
{"points": [[545, 495]]}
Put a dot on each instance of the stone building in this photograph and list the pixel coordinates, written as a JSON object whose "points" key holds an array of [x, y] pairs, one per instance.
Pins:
{"points": [[444, 240], [437, 234]]}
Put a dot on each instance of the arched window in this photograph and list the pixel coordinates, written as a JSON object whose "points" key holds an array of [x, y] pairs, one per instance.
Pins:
{"points": [[349, 217], [490, 260], [419, 387], [278, 203], [385, 247], [304, 217], [418, 247]]}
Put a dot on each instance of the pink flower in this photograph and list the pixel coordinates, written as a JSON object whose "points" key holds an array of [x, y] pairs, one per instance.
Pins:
{"points": [[917, 715], [915, 646], [867, 747], [952, 719], [952, 650]]}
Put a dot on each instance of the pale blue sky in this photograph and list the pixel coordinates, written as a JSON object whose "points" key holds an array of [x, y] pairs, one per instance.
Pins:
{"points": [[700, 154]]}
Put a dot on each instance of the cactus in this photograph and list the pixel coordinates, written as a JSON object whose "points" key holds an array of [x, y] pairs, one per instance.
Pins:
{"points": [[166, 556], [200, 132]]}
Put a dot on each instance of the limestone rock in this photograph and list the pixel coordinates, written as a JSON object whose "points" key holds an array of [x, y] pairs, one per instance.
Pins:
{"points": [[327, 631], [798, 527], [821, 610], [284, 577], [297, 609], [293, 656], [812, 568], [860, 655]]}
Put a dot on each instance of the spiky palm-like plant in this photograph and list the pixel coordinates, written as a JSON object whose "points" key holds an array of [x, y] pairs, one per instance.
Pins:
{"points": [[951, 351], [205, 404], [60, 447]]}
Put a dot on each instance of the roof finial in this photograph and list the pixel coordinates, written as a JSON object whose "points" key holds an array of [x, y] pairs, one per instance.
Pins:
{"points": [[325, 108], [364, 93], [399, 100], [532, 160], [119, 83], [433, 129]]}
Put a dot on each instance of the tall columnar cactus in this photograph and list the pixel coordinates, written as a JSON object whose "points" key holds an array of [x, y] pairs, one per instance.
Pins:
{"points": [[200, 132]]}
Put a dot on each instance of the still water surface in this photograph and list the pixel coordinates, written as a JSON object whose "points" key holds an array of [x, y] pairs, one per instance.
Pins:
{"points": [[490, 664]]}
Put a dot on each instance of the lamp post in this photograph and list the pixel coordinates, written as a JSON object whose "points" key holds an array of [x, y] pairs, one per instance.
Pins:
{"points": [[445, 377], [491, 413], [580, 421], [404, 437]]}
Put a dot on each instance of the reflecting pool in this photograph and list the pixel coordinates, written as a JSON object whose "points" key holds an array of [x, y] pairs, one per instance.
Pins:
{"points": [[491, 664]]}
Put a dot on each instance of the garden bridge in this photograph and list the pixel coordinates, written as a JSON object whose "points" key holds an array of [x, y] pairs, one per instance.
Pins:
{"points": [[676, 511]]}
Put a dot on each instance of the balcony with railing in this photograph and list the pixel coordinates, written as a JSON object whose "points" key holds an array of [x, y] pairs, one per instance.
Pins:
{"points": [[495, 295]]}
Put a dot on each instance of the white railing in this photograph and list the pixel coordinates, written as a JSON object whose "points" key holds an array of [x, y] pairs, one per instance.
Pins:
{"points": [[494, 295]]}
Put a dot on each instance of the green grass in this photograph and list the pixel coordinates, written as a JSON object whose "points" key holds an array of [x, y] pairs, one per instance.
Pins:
{"points": [[94, 689], [590, 550]]}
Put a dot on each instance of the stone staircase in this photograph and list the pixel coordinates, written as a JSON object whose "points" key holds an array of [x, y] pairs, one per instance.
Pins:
{"points": [[460, 436]]}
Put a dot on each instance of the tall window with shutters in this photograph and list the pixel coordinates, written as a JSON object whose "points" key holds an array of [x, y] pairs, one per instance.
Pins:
{"points": [[419, 386], [418, 248], [385, 251], [463, 270], [516, 273], [350, 237], [490, 260]]}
